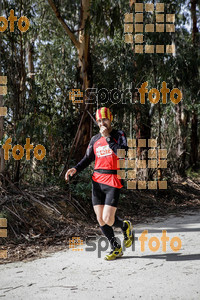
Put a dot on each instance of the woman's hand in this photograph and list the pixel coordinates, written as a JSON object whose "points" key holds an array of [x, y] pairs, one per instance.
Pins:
{"points": [[104, 131], [70, 172]]}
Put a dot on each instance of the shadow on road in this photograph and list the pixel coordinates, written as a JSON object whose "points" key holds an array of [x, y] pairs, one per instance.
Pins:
{"points": [[168, 257], [138, 231]]}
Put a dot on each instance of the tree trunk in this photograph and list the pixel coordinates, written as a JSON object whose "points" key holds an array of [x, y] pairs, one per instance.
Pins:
{"points": [[20, 104], [142, 124], [194, 141], [194, 21], [85, 67], [194, 118], [85, 71], [2, 160], [30, 52], [142, 131], [181, 121]]}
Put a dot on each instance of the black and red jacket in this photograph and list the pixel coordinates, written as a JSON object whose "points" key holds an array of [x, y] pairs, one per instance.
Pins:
{"points": [[104, 152]]}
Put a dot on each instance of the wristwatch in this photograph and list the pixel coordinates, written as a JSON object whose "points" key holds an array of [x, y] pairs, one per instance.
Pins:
{"points": [[108, 139]]}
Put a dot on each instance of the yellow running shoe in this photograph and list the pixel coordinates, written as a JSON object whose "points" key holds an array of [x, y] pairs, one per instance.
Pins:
{"points": [[128, 236], [117, 252]]}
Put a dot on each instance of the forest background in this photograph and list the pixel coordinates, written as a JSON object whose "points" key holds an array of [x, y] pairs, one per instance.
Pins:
{"points": [[80, 45]]}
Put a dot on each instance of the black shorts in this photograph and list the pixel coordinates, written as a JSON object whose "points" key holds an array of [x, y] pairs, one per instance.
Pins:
{"points": [[104, 194]]}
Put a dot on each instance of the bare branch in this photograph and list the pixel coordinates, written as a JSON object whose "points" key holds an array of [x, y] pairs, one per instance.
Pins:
{"points": [[65, 26]]}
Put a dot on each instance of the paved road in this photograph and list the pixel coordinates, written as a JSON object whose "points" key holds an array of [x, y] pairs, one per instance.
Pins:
{"points": [[137, 275]]}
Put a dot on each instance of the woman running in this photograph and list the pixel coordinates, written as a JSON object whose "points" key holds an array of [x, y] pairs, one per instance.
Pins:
{"points": [[105, 183]]}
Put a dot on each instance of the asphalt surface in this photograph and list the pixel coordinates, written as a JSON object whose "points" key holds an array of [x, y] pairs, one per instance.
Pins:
{"points": [[81, 274]]}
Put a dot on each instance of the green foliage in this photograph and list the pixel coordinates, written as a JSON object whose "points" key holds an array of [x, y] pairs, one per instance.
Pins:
{"points": [[43, 111], [122, 197], [81, 188], [193, 174], [5, 214]]}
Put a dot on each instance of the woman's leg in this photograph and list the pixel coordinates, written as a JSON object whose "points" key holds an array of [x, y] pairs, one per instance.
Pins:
{"points": [[99, 213], [108, 214], [98, 201], [110, 217], [106, 228]]}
